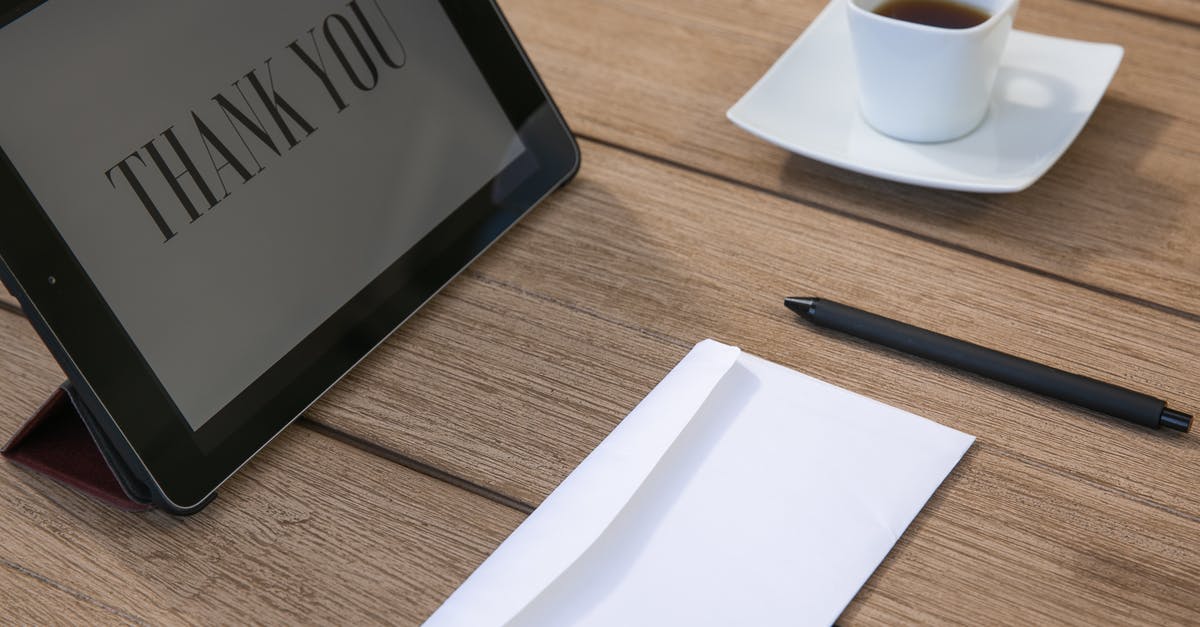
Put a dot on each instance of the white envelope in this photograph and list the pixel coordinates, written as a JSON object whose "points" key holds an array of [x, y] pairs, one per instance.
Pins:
{"points": [[738, 492]]}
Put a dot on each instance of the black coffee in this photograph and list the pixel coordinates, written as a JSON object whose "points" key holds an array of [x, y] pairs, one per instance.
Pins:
{"points": [[941, 13]]}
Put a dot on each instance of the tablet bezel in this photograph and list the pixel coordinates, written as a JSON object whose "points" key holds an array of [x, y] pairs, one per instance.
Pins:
{"points": [[184, 467]]}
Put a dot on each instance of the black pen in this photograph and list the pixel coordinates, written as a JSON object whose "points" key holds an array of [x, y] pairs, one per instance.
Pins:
{"points": [[1072, 388]]}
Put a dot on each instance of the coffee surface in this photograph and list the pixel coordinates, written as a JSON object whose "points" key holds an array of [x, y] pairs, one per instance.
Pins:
{"points": [[940, 13]]}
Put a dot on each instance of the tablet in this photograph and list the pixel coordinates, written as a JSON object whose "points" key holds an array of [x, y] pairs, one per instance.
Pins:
{"points": [[213, 210]]}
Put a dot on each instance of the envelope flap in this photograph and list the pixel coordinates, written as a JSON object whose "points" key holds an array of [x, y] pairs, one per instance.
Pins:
{"points": [[590, 498]]}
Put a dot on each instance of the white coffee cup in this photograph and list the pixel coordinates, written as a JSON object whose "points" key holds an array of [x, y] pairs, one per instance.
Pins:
{"points": [[926, 83]]}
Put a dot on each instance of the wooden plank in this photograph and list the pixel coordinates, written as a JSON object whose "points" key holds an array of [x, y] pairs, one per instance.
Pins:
{"points": [[29, 599], [310, 531], [520, 368], [489, 381], [280, 565], [265, 550], [1000, 545], [1119, 211], [510, 377], [650, 299], [1186, 11], [505, 389]]}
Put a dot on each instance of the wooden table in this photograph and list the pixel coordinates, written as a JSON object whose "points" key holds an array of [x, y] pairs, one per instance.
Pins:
{"points": [[680, 227]]}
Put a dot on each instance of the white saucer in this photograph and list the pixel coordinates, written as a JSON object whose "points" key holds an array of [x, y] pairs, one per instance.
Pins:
{"points": [[1046, 90]]}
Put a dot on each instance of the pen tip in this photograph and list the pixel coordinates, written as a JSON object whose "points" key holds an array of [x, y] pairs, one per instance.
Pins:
{"points": [[799, 304]]}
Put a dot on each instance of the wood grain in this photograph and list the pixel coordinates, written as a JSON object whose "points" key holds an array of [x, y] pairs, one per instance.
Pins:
{"points": [[560, 330], [30, 599], [1119, 211], [502, 388], [502, 354], [1000, 544], [1186, 11], [999, 524], [527, 361], [521, 367], [311, 531]]}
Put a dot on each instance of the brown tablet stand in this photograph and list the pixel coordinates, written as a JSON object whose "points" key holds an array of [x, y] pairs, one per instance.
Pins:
{"points": [[58, 442]]}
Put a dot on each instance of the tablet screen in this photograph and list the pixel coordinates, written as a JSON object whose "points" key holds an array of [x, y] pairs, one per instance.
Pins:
{"points": [[234, 172]]}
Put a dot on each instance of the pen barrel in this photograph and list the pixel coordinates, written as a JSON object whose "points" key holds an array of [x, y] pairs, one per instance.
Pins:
{"points": [[1041, 379]]}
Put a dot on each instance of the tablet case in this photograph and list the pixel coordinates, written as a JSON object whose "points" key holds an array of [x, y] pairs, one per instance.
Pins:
{"points": [[62, 442]]}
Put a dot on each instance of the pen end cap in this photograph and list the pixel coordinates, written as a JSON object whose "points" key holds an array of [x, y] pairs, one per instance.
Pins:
{"points": [[1176, 420]]}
